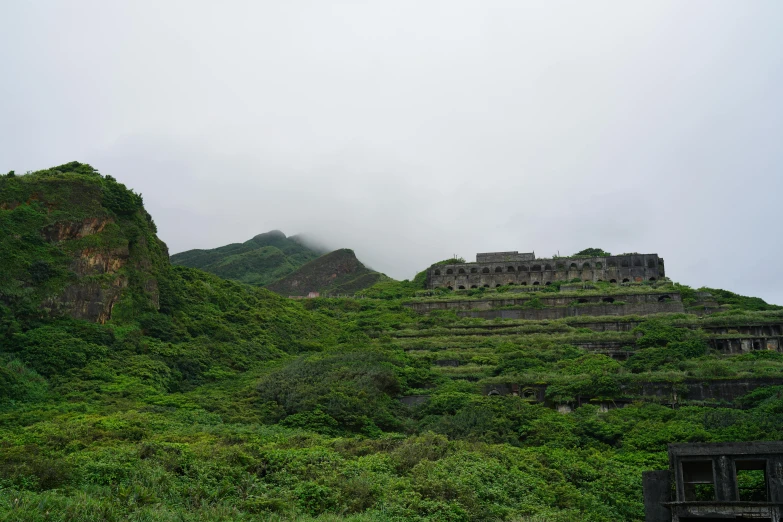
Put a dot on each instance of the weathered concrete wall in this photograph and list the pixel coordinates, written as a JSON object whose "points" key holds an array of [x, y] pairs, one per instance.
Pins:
{"points": [[724, 391], [541, 314], [504, 257], [489, 274], [555, 300], [657, 490], [747, 344]]}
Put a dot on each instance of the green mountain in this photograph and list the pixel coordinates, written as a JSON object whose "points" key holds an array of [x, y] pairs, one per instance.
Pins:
{"points": [[335, 273], [259, 261], [134, 389]]}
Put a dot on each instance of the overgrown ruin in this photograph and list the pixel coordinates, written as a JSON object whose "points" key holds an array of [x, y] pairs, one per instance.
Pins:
{"points": [[717, 482]]}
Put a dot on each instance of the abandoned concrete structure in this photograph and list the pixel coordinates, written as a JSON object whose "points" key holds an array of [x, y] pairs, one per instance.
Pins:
{"points": [[495, 269], [717, 482]]}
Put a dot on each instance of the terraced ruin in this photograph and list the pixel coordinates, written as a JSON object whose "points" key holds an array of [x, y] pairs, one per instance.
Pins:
{"points": [[571, 341]]}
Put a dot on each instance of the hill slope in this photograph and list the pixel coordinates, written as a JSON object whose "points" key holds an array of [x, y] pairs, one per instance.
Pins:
{"points": [[337, 272], [78, 243], [265, 258], [202, 399]]}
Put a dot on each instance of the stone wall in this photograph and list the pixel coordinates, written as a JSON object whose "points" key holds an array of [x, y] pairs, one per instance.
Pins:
{"points": [[504, 257], [555, 300], [542, 314], [539, 272]]}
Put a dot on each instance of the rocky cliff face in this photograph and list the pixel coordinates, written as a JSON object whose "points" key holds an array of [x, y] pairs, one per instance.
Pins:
{"points": [[79, 244]]}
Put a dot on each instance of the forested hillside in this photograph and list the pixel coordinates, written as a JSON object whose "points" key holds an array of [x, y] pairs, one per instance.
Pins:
{"points": [[131, 389], [258, 261]]}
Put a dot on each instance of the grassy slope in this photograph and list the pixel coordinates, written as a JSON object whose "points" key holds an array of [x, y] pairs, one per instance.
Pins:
{"points": [[337, 272], [259, 261], [232, 403]]}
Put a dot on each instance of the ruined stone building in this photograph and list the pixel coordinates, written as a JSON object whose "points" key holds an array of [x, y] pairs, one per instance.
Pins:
{"points": [[495, 269], [716, 483]]}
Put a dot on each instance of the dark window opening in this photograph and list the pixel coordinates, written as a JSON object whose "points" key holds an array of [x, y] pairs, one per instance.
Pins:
{"points": [[548, 283], [573, 265], [751, 480], [473, 286], [613, 280], [460, 287], [510, 269], [586, 265], [510, 283], [461, 271], [536, 268], [548, 267], [698, 480], [608, 299], [450, 287], [757, 345], [582, 300], [486, 286], [523, 283], [529, 394], [599, 280], [625, 263], [664, 298], [474, 270], [650, 263], [652, 279], [449, 271], [637, 262], [560, 266], [535, 283], [524, 268], [498, 269], [626, 280], [437, 272], [485, 270]]}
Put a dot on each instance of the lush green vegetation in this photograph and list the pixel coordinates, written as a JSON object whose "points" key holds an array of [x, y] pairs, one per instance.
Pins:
{"points": [[335, 273], [258, 261], [207, 399]]}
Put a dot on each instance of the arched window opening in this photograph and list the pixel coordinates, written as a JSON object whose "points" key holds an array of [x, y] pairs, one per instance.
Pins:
{"points": [[599, 280], [585, 265], [450, 287], [523, 283], [535, 283], [626, 280], [524, 268], [637, 262], [625, 263], [529, 393], [608, 299], [460, 287], [474, 270], [510, 269], [582, 300], [536, 268], [757, 345], [548, 283], [548, 267], [498, 269], [473, 286], [493, 392], [511, 283], [651, 263], [652, 279], [449, 271], [485, 270], [461, 271], [664, 298], [498, 285], [573, 265], [437, 272], [486, 286], [613, 280]]}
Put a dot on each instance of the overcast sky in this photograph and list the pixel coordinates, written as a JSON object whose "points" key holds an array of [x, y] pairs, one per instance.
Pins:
{"points": [[410, 131]]}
